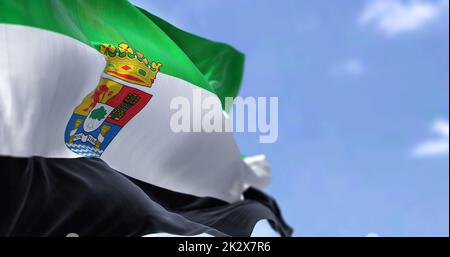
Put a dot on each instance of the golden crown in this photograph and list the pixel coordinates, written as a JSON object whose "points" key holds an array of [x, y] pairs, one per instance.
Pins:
{"points": [[129, 65]]}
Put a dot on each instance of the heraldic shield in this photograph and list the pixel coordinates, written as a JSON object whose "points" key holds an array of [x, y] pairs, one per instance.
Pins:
{"points": [[113, 103]]}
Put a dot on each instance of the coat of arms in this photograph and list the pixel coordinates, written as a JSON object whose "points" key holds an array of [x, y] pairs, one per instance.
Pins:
{"points": [[113, 103]]}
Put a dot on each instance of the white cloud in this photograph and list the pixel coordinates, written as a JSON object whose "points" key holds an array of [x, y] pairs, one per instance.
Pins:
{"points": [[372, 235], [438, 146], [393, 17], [350, 67]]}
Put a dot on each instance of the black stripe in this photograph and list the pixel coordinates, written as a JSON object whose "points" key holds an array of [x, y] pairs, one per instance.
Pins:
{"points": [[54, 196]]}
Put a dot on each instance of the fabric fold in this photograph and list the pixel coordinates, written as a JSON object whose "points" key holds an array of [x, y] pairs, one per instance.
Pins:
{"points": [[57, 196]]}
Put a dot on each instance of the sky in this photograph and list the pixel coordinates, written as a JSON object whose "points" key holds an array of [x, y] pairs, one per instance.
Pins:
{"points": [[363, 88]]}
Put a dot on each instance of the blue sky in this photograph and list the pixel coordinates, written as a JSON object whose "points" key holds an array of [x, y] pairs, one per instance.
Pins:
{"points": [[363, 90]]}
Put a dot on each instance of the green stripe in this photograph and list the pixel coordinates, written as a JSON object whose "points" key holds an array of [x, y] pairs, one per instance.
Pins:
{"points": [[221, 65], [96, 22]]}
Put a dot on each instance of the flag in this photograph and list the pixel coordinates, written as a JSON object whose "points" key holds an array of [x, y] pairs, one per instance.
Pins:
{"points": [[85, 91]]}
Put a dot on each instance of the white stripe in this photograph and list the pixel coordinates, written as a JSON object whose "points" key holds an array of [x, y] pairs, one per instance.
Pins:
{"points": [[261, 171], [45, 75]]}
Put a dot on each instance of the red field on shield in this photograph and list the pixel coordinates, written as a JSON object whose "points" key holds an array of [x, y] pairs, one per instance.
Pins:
{"points": [[127, 103]]}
